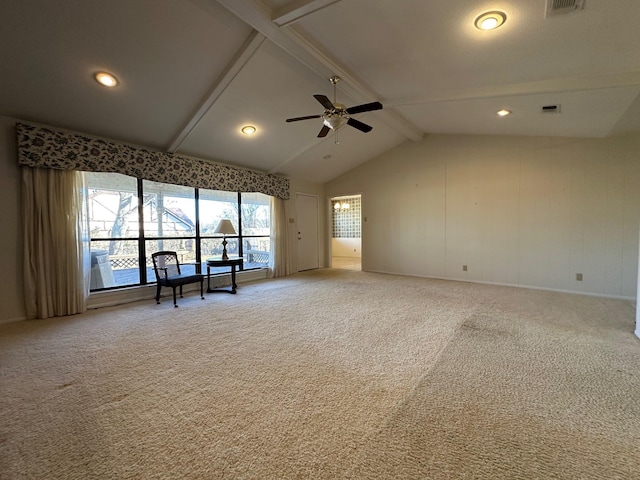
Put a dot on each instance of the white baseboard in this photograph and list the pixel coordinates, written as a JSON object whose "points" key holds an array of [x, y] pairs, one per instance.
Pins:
{"points": [[11, 320], [515, 285]]}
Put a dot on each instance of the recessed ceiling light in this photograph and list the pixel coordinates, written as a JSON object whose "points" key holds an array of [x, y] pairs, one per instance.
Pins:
{"points": [[504, 112], [248, 129], [106, 79], [490, 20]]}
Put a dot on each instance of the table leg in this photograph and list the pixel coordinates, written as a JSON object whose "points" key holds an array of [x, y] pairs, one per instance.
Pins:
{"points": [[233, 279]]}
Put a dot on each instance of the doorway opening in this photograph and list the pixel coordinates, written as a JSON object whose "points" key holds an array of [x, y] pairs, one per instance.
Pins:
{"points": [[346, 232]]}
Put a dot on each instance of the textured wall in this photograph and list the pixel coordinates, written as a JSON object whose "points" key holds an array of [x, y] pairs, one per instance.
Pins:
{"points": [[527, 211]]}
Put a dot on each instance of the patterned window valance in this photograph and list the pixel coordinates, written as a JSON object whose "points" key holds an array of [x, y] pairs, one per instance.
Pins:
{"points": [[51, 148]]}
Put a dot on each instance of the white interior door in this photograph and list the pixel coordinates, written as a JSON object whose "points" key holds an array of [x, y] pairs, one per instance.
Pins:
{"points": [[307, 220]]}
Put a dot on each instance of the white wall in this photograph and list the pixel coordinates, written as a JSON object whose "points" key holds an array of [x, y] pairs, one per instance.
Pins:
{"points": [[11, 296], [527, 211], [346, 247]]}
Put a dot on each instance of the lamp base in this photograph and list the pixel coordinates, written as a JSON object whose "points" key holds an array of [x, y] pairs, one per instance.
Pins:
{"points": [[224, 249]]}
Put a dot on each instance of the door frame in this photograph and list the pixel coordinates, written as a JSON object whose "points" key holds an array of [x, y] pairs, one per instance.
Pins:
{"points": [[330, 198]]}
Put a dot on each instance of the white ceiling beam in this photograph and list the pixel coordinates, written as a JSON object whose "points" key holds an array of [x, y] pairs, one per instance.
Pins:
{"points": [[258, 15], [298, 10], [555, 85], [236, 65]]}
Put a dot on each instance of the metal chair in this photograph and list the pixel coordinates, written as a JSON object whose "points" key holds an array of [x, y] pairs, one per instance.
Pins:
{"points": [[167, 269]]}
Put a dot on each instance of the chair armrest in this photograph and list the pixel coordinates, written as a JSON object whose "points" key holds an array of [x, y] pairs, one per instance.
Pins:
{"points": [[166, 276]]}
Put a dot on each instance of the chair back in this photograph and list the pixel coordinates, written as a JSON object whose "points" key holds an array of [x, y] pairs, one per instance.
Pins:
{"points": [[165, 261]]}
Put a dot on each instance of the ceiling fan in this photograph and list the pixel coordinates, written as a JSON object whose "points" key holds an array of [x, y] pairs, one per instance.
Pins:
{"points": [[335, 114]]}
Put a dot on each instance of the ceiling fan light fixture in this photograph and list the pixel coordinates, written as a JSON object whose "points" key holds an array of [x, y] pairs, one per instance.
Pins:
{"points": [[248, 129], [106, 79], [490, 20], [335, 114], [334, 121]]}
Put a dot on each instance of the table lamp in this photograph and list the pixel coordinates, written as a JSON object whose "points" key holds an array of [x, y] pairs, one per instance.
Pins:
{"points": [[225, 227]]}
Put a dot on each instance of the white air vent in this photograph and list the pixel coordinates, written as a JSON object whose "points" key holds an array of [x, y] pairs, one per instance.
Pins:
{"points": [[555, 7]]}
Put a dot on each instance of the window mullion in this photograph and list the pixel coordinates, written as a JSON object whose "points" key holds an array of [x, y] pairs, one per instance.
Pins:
{"points": [[142, 250], [197, 240], [240, 241]]}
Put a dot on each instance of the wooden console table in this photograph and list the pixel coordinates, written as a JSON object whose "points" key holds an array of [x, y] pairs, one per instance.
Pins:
{"points": [[232, 263]]}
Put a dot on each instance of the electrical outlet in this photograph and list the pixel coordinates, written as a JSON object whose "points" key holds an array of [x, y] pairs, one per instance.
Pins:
{"points": [[579, 277], [464, 268]]}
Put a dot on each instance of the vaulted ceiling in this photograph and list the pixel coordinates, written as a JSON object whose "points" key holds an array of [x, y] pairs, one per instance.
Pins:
{"points": [[192, 72]]}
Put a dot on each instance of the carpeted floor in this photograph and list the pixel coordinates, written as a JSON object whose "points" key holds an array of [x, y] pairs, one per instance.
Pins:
{"points": [[330, 374]]}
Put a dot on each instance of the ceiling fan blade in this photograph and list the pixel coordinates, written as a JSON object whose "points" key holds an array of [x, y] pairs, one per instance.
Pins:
{"points": [[363, 127], [323, 131], [365, 107], [297, 119], [326, 103]]}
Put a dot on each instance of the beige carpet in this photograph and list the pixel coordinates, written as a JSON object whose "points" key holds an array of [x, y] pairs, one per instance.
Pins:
{"points": [[330, 374]]}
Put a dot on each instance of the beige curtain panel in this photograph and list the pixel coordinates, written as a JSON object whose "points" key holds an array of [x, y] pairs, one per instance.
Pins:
{"points": [[55, 258], [278, 259]]}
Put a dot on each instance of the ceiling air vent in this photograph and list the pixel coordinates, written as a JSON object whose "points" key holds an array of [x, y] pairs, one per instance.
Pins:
{"points": [[550, 109], [556, 7]]}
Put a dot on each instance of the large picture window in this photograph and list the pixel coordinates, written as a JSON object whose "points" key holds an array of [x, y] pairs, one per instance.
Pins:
{"points": [[132, 218]]}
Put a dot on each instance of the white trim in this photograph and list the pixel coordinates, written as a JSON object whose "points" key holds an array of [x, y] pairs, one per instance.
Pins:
{"points": [[292, 15]]}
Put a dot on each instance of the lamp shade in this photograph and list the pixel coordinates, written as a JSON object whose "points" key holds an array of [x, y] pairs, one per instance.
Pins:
{"points": [[226, 227]]}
